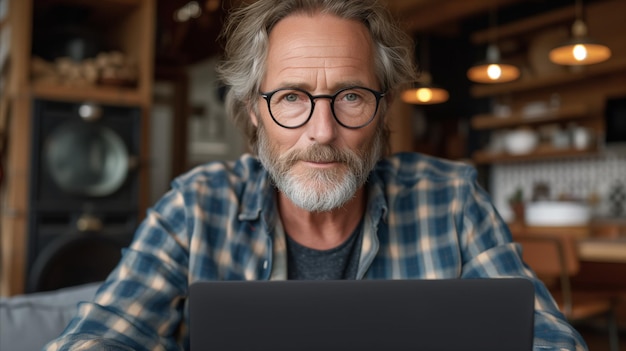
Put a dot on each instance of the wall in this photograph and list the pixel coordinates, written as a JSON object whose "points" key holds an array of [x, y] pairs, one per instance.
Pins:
{"points": [[161, 140], [578, 177], [212, 135]]}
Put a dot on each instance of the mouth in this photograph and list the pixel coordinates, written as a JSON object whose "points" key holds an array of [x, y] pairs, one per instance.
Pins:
{"points": [[320, 157], [320, 164]]}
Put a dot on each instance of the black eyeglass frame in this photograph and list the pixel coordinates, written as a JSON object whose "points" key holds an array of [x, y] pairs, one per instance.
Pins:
{"points": [[268, 96]]}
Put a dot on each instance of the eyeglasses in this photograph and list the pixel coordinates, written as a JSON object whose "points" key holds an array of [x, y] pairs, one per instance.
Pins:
{"points": [[352, 107]]}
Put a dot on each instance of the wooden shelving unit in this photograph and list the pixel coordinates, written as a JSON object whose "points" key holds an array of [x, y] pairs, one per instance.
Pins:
{"points": [[582, 91], [103, 94], [542, 152], [129, 25], [4, 75], [563, 114]]}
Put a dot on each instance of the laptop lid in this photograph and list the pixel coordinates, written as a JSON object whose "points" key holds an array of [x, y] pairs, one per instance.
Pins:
{"points": [[390, 315]]}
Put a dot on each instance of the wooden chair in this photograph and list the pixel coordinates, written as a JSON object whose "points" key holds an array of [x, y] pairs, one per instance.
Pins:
{"points": [[554, 258]]}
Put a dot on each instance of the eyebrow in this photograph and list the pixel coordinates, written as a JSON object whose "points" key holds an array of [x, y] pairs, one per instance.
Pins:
{"points": [[307, 87]]}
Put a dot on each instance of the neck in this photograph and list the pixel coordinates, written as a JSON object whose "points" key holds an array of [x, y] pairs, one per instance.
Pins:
{"points": [[321, 230]]}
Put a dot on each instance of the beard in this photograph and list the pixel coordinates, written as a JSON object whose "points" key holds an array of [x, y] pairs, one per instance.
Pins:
{"points": [[319, 190]]}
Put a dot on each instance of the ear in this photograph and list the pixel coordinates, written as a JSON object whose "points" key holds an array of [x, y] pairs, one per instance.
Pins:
{"points": [[253, 118]]}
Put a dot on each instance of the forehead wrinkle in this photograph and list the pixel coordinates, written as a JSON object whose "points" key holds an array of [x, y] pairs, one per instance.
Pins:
{"points": [[321, 62], [317, 75], [324, 57]]}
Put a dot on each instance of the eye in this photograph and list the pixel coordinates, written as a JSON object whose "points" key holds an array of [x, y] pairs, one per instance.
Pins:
{"points": [[350, 96], [290, 96]]}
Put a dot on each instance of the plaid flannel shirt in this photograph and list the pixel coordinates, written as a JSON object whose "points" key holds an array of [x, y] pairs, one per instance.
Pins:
{"points": [[426, 218]]}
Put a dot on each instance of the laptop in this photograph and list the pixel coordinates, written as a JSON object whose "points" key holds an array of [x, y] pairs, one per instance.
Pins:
{"points": [[388, 315]]}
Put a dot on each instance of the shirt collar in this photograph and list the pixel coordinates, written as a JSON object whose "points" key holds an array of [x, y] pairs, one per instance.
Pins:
{"points": [[258, 191]]}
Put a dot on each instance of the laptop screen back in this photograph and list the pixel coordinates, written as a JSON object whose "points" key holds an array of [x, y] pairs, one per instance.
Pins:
{"points": [[390, 315]]}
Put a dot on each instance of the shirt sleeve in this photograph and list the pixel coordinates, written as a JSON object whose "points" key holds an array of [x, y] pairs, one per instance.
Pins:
{"points": [[141, 304], [489, 252]]}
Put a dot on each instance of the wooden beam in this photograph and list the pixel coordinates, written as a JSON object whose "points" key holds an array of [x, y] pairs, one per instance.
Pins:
{"points": [[527, 25], [423, 17]]}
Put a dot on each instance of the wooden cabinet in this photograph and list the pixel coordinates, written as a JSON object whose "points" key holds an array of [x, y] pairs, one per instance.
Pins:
{"points": [[126, 26], [581, 91]]}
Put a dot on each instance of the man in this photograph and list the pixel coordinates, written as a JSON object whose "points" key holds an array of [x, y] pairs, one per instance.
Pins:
{"points": [[310, 82]]}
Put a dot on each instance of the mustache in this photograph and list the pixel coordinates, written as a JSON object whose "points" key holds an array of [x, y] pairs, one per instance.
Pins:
{"points": [[318, 153]]}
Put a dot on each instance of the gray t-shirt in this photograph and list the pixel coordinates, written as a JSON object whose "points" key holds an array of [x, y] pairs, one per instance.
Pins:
{"points": [[340, 262]]}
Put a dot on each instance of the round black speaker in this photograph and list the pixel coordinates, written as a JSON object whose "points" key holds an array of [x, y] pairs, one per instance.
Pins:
{"points": [[84, 190], [84, 153]]}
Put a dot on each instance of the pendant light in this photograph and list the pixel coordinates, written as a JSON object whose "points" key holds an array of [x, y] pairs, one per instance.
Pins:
{"points": [[580, 49], [493, 70], [424, 92]]}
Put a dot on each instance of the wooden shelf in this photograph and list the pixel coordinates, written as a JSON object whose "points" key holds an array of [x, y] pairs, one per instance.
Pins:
{"points": [[565, 113], [542, 152], [102, 94], [527, 84]]}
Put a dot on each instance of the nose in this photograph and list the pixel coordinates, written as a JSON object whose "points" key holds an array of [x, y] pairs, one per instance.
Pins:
{"points": [[322, 127]]}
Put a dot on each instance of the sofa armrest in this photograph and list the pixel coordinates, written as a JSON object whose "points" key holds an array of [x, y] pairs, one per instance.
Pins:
{"points": [[28, 322]]}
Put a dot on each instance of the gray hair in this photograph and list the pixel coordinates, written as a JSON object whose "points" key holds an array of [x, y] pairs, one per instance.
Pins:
{"points": [[247, 31]]}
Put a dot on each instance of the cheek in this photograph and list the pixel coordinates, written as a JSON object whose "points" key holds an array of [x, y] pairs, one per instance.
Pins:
{"points": [[291, 141], [280, 139], [364, 139]]}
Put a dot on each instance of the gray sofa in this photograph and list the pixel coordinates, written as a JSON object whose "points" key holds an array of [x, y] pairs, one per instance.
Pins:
{"points": [[28, 322]]}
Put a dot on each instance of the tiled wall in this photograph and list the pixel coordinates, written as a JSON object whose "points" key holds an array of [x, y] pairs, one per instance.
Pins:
{"points": [[578, 177]]}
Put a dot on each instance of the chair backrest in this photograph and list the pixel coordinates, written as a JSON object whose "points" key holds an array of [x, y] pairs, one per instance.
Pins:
{"points": [[554, 258], [550, 255]]}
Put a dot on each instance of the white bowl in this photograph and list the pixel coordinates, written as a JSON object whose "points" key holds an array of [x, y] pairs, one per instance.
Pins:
{"points": [[521, 141], [557, 213]]}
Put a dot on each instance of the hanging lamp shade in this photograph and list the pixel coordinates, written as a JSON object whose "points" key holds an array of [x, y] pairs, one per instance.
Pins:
{"points": [[425, 95], [493, 70], [424, 92], [579, 50]]}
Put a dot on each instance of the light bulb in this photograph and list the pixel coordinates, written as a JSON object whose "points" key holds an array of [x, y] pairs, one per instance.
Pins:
{"points": [[494, 71], [579, 52], [424, 94]]}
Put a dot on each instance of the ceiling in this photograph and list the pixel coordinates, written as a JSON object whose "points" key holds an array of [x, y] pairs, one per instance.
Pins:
{"points": [[428, 15], [194, 40]]}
